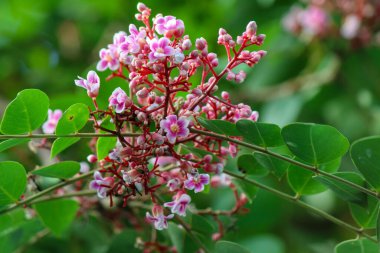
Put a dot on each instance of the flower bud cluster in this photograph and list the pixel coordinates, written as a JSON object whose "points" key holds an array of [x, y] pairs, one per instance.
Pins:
{"points": [[159, 101], [356, 21]]}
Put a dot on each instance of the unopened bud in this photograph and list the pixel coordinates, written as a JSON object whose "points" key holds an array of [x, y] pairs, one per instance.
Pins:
{"points": [[251, 29], [92, 158]]}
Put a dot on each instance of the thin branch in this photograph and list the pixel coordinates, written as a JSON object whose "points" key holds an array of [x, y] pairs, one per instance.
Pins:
{"points": [[55, 136], [64, 196], [311, 168], [45, 192], [356, 230]]}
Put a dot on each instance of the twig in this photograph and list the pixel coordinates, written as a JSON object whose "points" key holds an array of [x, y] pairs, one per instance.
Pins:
{"points": [[356, 230]]}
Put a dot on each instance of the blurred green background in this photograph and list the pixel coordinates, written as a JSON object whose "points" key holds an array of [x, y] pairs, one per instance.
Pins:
{"points": [[45, 44]]}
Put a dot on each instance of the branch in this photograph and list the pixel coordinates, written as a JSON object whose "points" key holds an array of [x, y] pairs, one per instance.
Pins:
{"points": [[63, 196], [313, 169], [55, 136], [45, 192], [356, 230]]}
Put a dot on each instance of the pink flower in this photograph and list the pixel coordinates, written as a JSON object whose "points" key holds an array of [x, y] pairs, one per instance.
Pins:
{"points": [[175, 128], [196, 182], [350, 27], [101, 184], [53, 117], [173, 184], [84, 167], [314, 21], [91, 84], [169, 26], [134, 42], [179, 205], [159, 220], [108, 59], [119, 100], [160, 49]]}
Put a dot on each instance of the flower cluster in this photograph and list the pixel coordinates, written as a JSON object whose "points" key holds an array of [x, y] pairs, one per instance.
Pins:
{"points": [[158, 104], [358, 21]]}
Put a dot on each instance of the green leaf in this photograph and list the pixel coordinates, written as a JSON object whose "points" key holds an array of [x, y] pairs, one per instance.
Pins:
{"points": [[262, 134], [229, 247], [315, 144], [104, 145], [25, 113], [249, 189], [177, 236], [124, 242], [63, 170], [58, 214], [73, 119], [4, 145], [344, 191], [248, 164], [362, 245], [9, 222], [302, 182], [219, 126], [378, 227], [366, 217], [365, 153], [12, 182], [61, 144], [276, 166]]}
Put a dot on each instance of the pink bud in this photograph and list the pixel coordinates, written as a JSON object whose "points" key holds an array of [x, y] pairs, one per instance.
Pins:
{"points": [[92, 158], [225, 95], [251, 29], [158, 138], [140, 140], [141, 7], [186, 44], [230, 76], [222, 31], [254, 116], [200, 44], [143, 93], [196, 92]]}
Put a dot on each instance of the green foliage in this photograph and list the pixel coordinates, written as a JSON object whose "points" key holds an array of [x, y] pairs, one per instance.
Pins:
{"points": [[362, 245], [12, 182], [60, 144], [62, 170], [57, 215], [344, 191], [73, 119], [228, 247], [277, 166], [104, 145], [4, 145], [184, 242], [302, 181], [366, 217], [262, 134], [248, 164], [219, 126], [124, 242], [25, 113], [366, 156], [315, 144]]}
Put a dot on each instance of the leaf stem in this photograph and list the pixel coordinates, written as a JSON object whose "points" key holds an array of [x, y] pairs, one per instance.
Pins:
{"points": [[356, 230]]}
